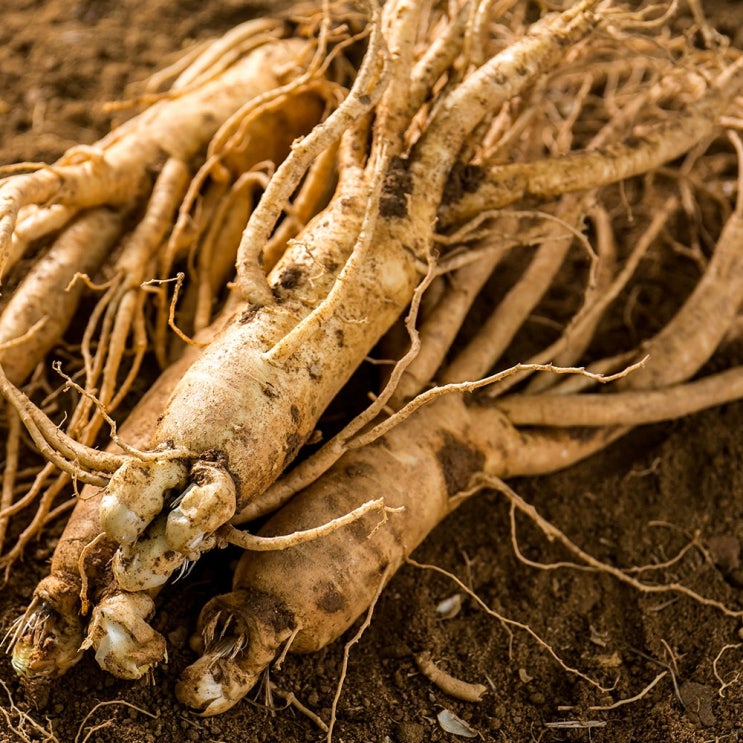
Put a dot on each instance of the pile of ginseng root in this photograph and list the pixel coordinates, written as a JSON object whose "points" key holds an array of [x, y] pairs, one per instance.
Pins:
{"points": [[530, 220]]}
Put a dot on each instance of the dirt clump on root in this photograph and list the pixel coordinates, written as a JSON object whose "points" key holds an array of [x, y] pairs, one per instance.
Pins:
{"points": [[641, 502]]}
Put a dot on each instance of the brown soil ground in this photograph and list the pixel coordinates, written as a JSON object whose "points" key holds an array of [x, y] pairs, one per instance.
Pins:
{"points": [[639, 502]]}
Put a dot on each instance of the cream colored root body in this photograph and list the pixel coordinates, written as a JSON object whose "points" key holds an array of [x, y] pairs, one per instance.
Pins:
{"points": [[47, 638], [49, 295], [256, 394], [310, 594], [304, 597], [114, 170]]}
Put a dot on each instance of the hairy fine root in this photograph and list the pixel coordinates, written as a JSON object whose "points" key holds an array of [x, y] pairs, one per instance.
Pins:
{"points": [[333, 178]]}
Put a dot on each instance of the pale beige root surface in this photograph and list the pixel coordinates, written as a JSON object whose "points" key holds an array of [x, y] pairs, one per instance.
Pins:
{"points": [[41, 308], [234, 369], [48, 639], [317, 589]]}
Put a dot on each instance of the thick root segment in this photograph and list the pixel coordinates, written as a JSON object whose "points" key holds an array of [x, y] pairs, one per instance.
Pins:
{"points": [[326, 584], [49, 294]]}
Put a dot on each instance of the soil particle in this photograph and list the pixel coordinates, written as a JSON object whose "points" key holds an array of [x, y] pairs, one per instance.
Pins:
{"points": [[697, 699], [293, 442], [637, 503], [464, 178], [249, 315], [459, 462], [329, 600], [290, 277], [724, 549], [410, 732], [393, 200]]}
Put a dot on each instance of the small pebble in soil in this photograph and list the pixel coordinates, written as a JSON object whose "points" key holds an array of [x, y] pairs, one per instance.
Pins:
{"points": [[725, 551], [410, 732], [396, 651], [697, 699], [178, 637]]}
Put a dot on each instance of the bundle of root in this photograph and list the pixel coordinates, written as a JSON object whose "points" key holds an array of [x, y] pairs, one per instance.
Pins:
{"points": [[542, 222]]}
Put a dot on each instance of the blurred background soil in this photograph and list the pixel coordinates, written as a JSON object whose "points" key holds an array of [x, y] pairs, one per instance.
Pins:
{"points": [[640, 502]]}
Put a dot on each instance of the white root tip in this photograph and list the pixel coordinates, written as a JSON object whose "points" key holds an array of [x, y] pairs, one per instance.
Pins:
{"points": [[206, 505], [213, 685], [148, 563], [120, 522], [125, 644], [136, 494]]}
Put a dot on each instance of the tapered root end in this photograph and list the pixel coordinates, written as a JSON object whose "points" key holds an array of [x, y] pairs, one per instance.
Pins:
{"points": [[125, 644], [136, 494], [240, 633], [45, 642], [213, 685]]}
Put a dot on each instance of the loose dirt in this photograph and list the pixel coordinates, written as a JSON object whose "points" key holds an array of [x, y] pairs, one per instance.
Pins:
{"points": [[640, 502]]}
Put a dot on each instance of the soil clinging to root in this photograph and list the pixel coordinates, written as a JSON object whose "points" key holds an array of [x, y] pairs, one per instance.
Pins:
{"points": [[643, 501]]}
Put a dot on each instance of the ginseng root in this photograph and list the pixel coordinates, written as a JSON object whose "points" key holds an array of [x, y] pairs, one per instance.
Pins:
{"points": [[419, 177], [287, 352], [47, 639], [302, 598]]}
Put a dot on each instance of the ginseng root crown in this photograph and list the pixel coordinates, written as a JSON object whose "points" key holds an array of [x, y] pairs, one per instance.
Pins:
{"points": [[239, 635]]}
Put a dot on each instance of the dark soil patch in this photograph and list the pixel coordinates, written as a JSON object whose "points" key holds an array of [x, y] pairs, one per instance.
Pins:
{"points": [[640, 502]]}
